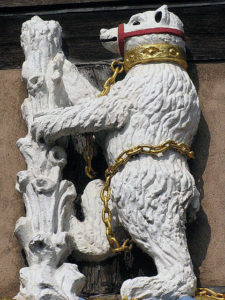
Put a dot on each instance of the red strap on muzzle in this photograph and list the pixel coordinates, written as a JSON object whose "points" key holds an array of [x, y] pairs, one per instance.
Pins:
{"points": [[123, 35]]}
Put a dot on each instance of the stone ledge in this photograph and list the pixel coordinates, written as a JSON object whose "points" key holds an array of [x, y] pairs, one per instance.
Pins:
{"points": [[117, 297]]}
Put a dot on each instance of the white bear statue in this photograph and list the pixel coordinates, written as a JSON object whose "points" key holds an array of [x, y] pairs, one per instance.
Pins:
{"points": [[156, 102]]}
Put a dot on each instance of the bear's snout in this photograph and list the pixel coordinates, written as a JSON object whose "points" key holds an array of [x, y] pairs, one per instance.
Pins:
{"points": [[103, 30]]}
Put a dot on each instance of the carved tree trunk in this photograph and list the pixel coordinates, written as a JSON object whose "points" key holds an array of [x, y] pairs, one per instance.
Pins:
{"points": [[48, 199]]}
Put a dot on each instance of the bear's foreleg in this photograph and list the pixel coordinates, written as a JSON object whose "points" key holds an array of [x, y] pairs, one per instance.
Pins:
{"points": [[97, 114]]}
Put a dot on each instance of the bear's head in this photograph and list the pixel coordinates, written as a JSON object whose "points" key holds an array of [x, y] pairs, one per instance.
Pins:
{"points": [[150, 27]]}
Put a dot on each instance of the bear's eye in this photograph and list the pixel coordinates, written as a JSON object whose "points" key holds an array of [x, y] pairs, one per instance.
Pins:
{"points": [[158, 16], [136, 23]]}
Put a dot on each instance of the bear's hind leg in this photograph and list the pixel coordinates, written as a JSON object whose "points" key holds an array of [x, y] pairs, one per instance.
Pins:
{"points": [[175, 275]]}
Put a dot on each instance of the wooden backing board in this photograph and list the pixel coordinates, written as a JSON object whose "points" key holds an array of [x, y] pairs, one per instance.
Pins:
{"points": [[19, 3], [204, 29], [23, 3]]}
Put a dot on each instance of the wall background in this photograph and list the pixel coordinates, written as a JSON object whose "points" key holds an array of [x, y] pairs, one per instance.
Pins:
{"points": [[81, 21]]}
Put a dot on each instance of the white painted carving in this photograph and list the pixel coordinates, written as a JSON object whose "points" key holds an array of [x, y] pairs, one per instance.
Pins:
{"points": [[50, 231], [152, 104]]}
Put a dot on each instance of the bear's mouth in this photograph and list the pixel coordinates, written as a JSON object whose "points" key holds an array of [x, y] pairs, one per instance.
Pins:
{"points": [[113, 39]]}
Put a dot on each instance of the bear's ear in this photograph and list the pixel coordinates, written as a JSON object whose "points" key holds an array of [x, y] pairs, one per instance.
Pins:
{"points": [[162, 15]]}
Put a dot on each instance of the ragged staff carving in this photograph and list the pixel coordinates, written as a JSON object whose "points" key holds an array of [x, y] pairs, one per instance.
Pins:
{"points": [[154, 103], [50, 231]]}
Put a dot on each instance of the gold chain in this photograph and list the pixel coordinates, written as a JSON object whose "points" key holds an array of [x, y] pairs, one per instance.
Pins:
{"points": [[122, 159], [204, 293], [88, 151], [111, 80], [88, 155]]}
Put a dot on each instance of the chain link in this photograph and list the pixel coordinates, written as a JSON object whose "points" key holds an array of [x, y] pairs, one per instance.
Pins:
{"points": [[122, 159], [204, 293], [117, 67], [88, 155]]}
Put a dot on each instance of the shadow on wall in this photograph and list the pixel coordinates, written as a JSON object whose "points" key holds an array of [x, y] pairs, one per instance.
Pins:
{"points": [[199, 232]]}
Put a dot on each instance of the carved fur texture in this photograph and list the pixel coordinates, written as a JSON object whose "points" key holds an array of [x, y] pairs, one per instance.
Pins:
{"points": [[154, 103]]}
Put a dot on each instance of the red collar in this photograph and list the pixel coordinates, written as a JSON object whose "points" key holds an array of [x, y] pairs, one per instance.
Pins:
{"points": [[123, 35]]}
